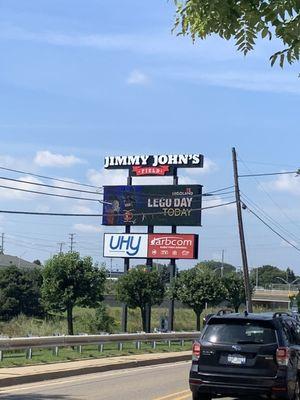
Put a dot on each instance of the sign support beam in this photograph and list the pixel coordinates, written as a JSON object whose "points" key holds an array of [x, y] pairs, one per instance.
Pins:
{"points": [[172, 267], [126, 269], [149, 268]]}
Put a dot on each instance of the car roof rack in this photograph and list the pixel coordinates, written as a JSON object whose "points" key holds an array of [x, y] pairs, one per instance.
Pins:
{"points": [[281, 314]]}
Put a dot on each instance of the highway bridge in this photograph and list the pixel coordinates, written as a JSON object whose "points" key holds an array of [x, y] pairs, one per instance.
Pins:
{"points": [[273, 298]]}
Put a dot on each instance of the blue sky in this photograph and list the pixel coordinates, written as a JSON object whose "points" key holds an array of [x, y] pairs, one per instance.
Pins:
{"points": [[80, 80]]}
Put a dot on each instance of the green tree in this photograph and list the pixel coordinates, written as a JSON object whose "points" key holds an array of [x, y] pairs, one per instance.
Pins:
{"points": [[20, 292], [196, 288], [139, 288], [70, 281], [244, 21], [269, 274], [103, 321], [234, 284], [216, 266]]}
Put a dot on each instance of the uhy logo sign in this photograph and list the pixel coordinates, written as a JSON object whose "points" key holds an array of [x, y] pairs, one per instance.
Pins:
{"points": [[128, 244], [125, 245]]}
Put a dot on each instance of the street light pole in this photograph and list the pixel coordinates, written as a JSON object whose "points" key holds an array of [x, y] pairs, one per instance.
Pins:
{"points": [[288, 283]]}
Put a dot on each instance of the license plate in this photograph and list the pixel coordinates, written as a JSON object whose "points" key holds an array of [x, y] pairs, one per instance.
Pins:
{"points": [[236, 359]]}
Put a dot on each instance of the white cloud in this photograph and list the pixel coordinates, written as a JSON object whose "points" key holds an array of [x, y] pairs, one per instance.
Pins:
{"points": [[81, 209], [193, 175], [7, 161], [155, 43], [218, 204], [286, 183], [42, 208], [45, 158], [87, 228], [107, 177], [137, 77], [20, 163], [274, 82], [188, 176], [10, 194]]}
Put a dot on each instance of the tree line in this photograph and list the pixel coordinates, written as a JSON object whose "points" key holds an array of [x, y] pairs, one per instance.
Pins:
{"points": [[68, 280]]}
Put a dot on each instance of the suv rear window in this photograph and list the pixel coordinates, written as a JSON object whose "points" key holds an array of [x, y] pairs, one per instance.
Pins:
{"points": [[232, 332]]}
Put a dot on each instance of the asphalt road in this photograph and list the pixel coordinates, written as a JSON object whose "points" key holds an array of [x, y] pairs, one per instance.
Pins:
{"points": [[162, 382]]}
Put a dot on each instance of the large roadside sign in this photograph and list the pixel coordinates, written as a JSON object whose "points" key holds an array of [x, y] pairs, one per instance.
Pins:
{"points": [[154, 245], [125, 245], [180, 246], [157, 165], [161, 205]]}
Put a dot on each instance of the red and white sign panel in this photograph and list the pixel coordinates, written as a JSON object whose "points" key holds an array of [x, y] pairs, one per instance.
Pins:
{"points": [[181, 246]]}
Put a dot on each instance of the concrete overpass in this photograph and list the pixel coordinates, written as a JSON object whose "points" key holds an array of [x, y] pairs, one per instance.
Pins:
{"points": [[273, 298]]}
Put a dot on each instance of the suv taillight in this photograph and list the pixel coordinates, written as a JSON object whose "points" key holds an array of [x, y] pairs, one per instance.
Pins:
{"points": [[196, 351], [282, 356]]}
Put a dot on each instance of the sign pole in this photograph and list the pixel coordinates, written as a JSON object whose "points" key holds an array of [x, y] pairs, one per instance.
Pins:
{"points": [[149, 268], [126, 269], [172, 266]]}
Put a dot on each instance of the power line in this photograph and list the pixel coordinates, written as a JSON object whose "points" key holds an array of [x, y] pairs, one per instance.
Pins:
{"points": [[207, 194], [101, 215], [48, 177], [80, 183], [218, 194], [52, 194], [272, 220], [273, 230], [49, 186], [272, 164], [269, 174], [269, 196], [220, 190]]}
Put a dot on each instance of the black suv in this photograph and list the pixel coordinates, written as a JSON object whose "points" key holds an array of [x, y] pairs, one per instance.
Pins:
{"points": [[247, 355]]}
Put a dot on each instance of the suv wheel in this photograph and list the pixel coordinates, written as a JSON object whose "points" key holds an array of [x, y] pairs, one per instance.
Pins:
{"points": [[204, 396]]}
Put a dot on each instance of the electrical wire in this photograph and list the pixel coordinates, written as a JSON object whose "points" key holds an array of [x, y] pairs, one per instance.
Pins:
{"points": [[48, 177], [49, 186], [269, 196], [53, 194], [272, 164], [272, 220], [101, 215], [272, 229], [269, 174], [82, 191]]}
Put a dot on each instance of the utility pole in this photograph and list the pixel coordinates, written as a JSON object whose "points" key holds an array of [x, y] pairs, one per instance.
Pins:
{"points": [[222, 265], [61, 244], [241, 233], [2, 244], [71, 235]]}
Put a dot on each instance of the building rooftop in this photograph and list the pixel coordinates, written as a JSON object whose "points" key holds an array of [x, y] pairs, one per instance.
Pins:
{"points": [[9, 261]]}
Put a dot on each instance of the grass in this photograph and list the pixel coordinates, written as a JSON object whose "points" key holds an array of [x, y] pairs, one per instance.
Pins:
{"points": [[46, 356], [24, 326]]}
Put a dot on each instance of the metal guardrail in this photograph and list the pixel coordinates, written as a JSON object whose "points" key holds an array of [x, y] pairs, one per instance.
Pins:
{"points": [[55, 342]]}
